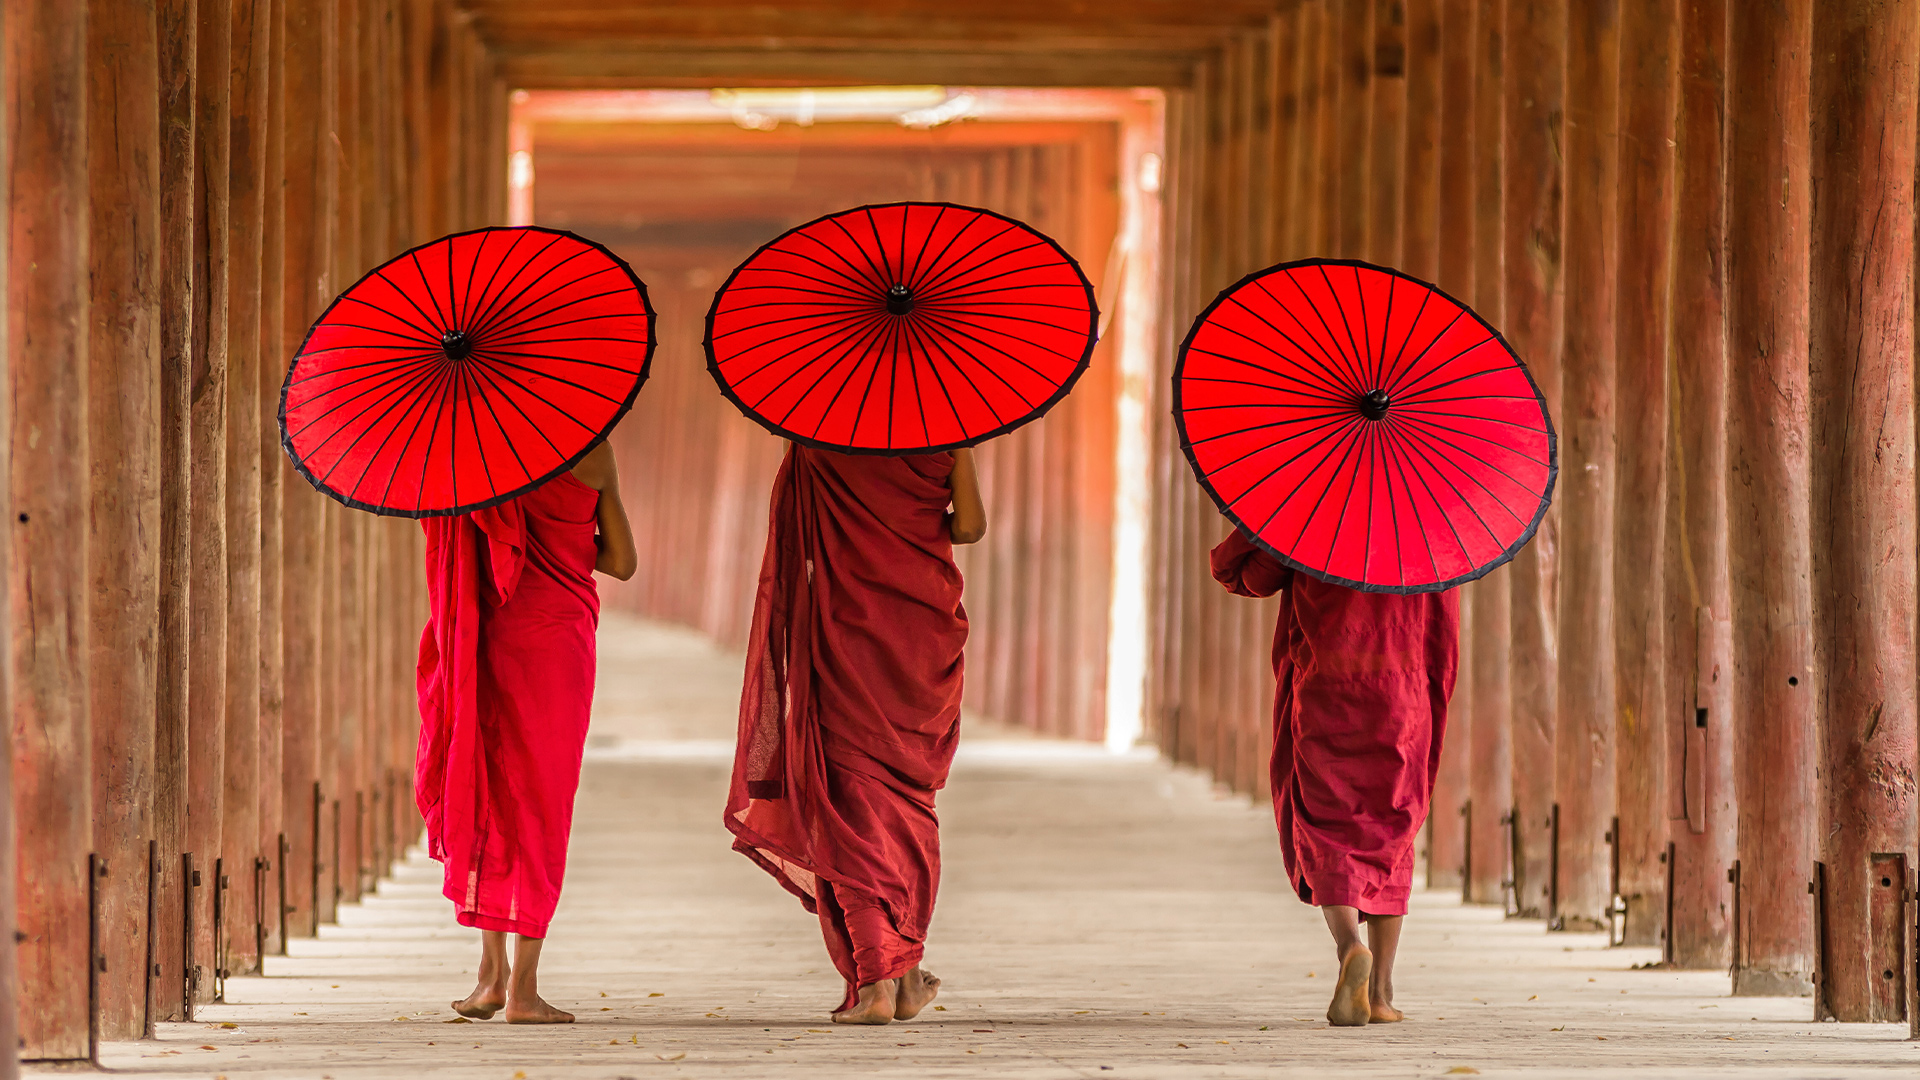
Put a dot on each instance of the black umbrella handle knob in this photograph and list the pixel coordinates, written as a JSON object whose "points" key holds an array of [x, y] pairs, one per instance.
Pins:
{"points": [[1374, 405], [456, 345], [899, 300]]}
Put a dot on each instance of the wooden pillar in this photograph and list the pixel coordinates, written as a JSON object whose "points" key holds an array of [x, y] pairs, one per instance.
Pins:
{"points": [[1700, 783], [206, 513], [47, 332], [172, 639], [1861, 405], [1584, 720], [1353, 172], [1490, 769], [1768, 181], [274, 359], [1535, 42], [1387, 132], [1649, 67], [9, 971], [123, 406], [240, 803]]}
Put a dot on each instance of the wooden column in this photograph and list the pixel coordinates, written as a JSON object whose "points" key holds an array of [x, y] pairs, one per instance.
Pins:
{"points": [[1861, 405], [1768, 181], [1584, 724], [1387, 120], [273, 364], [1535, 42], [1333, 135], [206, 513], [172, 640], [1649, 67], [240, 803], [1700, 783], [9, 971], [1353, 173], [1491, 767], [123, 433], [47, 331]]}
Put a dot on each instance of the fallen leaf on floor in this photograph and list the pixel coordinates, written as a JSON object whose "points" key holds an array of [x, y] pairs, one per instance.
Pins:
{"points": [[819, 1031], [606, 1008], [1312, 975], [1263, 1027], [939, 1008], [1592, 980], [983, 1031], [399, 1018], [1182, 1046], [656, 994], [673, 1057], [713, 1014], [636, 1039], [1533, 997], [457, 1020], [335, 986], [1081, 1012], [1600, 1038], [1463, 1070], [1562, 1027], [299, 1014], [905, 1044], [520, 1076], [1709, 1006], [1223, 1042], [613, 1042], [603, 993], [209, 1048], [229, 1026]]}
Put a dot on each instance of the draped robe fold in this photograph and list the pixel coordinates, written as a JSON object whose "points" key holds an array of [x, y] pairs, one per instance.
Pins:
{"points": [[851, 706], [1358, 717], [505, 682]]}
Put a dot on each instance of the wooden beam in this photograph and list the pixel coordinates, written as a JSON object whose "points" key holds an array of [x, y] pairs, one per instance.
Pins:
{"points": [[655, 66], [1649, 69], [123, 433], [1769, 495], [47, 331], [1861, 404]]}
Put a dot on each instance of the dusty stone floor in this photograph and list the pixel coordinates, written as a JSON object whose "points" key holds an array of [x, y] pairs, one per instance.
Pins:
{"points": [[1100, 917]]}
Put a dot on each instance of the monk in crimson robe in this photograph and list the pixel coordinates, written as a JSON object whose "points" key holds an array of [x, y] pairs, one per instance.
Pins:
{"points": [[506, 684], [1358, 718], [851, 707]]}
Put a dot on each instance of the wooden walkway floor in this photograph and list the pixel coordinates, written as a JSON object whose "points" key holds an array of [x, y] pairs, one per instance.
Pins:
{"points": [[1100, 917]]}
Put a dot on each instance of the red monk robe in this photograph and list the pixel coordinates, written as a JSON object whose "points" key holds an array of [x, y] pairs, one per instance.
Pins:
{"points": [[506, 685], [1358, 718], [851, 707]]}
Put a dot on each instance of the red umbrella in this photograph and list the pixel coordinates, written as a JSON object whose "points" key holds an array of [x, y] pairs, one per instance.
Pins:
{"points": [[467, 371], [901, 329], [1364, 427]]}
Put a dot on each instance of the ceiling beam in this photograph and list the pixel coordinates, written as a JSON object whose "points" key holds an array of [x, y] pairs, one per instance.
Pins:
{"points": [[684, 66]]}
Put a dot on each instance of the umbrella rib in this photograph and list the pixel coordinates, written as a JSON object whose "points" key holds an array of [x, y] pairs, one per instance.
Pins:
{"points": [[432, 320], [414, 257], [641, 314], [386, 493], [537, 428], [947, 272], [856, 285], [1340, 522], [1364, 355], [880, 245], [956, 326], [890, 332], [1475, 397], [493, 351], [1265, 405], [416, 344], [493, 357], [473, 268], [426, 335], [1483, 419], [495, 300], [1315, 390], [391, 379], [1393, 510], [1346, 324], [1329, 351], [822, 334], [473, 421], [819, 321], [953, 360], [509, 319], [1257, 427], [939, 260], [913, 372], [426, 456], [399, 393], [1374, 477], [1347, 436], [541, 398], [845, 337], [1402, 447], [927, 344], [1450, 382], [1392, 372], [926, 238], [375, 455], [385, 370], [848, 355], [486, 291], [1386, 325], [389, 361], [1459, 313], [486, 398], [496, 343], [865, 255], [1317, 357], [1410, 435], [1431, 439], [1261, 386], [1441, 365], [968, 353], [1331, 428], [964, 277]]}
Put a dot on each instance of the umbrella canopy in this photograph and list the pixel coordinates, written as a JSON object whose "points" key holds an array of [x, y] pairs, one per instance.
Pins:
{"points": [[902, 329], [1364, 427], [467, 371]]}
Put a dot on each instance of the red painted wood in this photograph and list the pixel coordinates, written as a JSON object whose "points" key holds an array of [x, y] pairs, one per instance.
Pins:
{"points": [[1861, 409]]}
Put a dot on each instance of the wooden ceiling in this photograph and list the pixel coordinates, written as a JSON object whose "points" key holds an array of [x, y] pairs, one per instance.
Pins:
{"points": [[574, 44]]}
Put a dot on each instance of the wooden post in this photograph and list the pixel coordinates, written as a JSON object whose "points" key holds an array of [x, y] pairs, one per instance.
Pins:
{"points": [[9, 909], [207, 435], [1700, 796], [1584, 725], [272, 372], [1861, 405], [240, 804], [47, 331], [172, 640], [1769, 193], [1353, 173], [1490, 769], [1535, 42], [1387, 120], [1649, 66], [123, 406]]}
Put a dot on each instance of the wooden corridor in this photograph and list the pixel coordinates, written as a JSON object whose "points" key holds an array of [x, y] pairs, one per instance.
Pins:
{"points": [[1687, 711]]}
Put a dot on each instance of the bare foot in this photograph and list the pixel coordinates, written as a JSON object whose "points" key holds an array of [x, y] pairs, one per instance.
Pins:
{"points": [[536, 1012], [1384, 1013], [1349, 1007], [874, 1005], [918, 988], [482, 1003]]}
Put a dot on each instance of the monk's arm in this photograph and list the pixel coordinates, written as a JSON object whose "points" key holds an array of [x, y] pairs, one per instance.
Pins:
{"points": [[968, 522], [617, 555]]}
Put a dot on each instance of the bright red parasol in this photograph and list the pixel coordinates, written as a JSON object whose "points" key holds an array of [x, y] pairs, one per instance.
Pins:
{"points": [[902, 329], [467, 371], [1364, 427]]}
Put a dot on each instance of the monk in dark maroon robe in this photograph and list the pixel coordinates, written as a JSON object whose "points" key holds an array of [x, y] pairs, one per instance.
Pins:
{"points": [[1358, 719], [506, 684], [851, 707]]}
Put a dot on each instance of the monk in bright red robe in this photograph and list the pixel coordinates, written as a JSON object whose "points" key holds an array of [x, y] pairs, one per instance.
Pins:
{"points": [[506, 685], [851, 707], [1358, 718]]}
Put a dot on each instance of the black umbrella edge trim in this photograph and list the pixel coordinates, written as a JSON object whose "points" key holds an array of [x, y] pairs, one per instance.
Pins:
{"points": [[646, 369], [1186, 447], [1066, 386]]}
